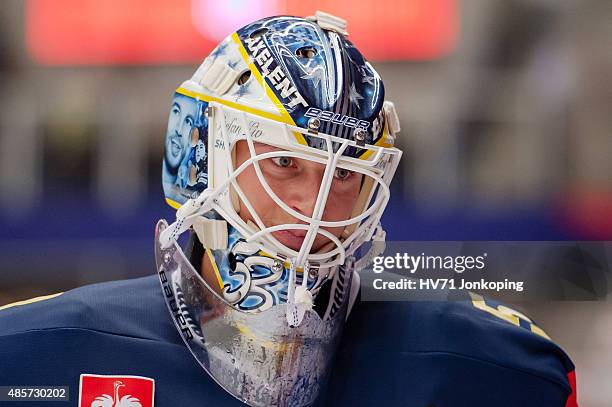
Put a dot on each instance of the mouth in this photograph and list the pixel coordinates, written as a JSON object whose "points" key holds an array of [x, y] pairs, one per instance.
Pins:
{"points": [[293, 239]]}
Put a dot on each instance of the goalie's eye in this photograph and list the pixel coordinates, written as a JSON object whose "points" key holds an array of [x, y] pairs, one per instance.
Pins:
{"points": [[283, 162], [343, 174]]}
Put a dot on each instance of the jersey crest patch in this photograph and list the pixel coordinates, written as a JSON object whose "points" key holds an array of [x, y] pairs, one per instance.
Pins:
{"points": [[124, 391]]}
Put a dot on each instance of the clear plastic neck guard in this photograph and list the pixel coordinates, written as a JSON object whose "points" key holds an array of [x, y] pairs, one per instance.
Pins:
{"points": [[256, 357]]}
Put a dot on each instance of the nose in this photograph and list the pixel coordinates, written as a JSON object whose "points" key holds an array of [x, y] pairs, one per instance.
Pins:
{"points": [[303, 195]]}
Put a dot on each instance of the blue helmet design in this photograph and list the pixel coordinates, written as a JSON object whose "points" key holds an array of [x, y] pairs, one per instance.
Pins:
{"points": [[317, 73]]}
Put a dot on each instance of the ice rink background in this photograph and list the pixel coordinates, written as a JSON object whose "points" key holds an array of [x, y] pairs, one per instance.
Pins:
{"points": [[507, 136]]}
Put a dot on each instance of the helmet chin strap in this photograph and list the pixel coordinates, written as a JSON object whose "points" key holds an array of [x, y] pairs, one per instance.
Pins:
{"points": [[186, 215], [299, 299], [212, 233]]}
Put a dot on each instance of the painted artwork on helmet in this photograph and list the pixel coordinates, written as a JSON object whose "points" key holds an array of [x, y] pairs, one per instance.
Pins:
{"points": [[249, 281], [184, 170]]}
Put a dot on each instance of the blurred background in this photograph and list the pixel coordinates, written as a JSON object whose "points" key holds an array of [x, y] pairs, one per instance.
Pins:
{"points": [[505, 106]]}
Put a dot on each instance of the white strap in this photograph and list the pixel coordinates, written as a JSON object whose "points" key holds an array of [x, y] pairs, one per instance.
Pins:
{"points": [[220, 77], [186, 214], [392, 118], [329, 22], [355, 282], [211, 232], [299, 298]]}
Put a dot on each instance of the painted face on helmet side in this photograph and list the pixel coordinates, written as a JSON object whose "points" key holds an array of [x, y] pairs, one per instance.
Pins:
{"points": [[178, 134], [297, 183]]}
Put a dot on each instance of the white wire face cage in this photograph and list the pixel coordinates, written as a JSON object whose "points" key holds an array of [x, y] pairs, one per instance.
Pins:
{"points": [[226, 126], [377, 171]]}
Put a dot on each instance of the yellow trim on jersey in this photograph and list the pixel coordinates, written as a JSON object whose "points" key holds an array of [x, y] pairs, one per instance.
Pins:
{"points": [[215, 268], [506, 313], [537, 330], [281, 108], [30, 301]]}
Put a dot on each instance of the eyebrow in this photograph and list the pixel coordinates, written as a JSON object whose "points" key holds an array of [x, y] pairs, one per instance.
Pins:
{"points": [[267, 147]]}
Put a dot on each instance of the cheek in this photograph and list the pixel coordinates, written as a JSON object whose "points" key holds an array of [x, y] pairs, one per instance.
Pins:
{"points": [[340, 205], [257, 196]]}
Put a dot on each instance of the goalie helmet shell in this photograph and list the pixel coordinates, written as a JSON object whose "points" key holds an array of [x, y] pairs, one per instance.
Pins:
{"points": [[301, 91]]}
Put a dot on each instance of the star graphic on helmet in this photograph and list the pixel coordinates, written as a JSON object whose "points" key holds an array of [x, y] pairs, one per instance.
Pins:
{"points": [[367, 79], [354, 96], [315, 75], [232, 64], [243, 90], [220, 50]]}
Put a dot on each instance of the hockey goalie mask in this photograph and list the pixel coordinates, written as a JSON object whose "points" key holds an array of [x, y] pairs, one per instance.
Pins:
{"points": [[278, 155]]}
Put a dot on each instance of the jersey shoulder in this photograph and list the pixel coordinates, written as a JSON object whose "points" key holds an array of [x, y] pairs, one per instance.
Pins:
{"points": [[127, 308], [473, 349], [121, 328], [475, 327]]}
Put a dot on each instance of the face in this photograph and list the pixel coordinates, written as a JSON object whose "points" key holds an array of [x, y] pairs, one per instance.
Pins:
{"points": [[296, 182], [180, 123]]}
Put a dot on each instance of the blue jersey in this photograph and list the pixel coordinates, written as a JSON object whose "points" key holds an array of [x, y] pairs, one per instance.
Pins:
{"points": [[439, 354]]}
